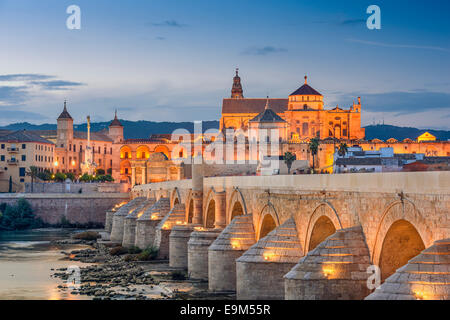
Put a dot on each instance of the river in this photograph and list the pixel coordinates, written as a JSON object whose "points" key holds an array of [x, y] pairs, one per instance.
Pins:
{"points": [[26, 260]]}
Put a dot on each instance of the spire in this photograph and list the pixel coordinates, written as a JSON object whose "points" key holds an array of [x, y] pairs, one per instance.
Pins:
{"points": [[306, 79], [65, 114], [115, 122], [267, 103], [236, 91]]}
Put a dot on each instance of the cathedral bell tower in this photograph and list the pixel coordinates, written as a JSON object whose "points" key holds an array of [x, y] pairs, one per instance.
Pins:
{"points": [[236, 91], [64, 128]]}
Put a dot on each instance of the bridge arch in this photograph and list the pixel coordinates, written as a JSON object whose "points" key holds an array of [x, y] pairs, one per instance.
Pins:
{"points": [[323, 223], [189, 207], [268, 221], [236, 205], [175, 197], [209, 210], [401, 243], [400, 221]]}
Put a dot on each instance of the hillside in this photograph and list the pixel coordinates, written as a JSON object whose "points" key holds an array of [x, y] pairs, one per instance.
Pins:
{"points": [[143, 129]]}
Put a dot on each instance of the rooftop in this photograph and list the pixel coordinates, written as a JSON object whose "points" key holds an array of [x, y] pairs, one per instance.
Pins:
{"points": [[24, 136]]}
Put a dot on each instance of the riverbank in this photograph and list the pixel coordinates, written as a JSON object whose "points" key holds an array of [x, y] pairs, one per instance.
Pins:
{"points": [[110, 277]]}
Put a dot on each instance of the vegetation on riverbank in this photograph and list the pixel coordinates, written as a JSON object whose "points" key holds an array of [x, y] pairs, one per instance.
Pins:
{"points": [[19, 217]]}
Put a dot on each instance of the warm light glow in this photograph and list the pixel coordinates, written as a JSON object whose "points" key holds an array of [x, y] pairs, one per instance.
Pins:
{"points": [[73, 162], [199, 229], [180, 222], [235, 244], [56, 163], [165, 226], [154, 217], [327, 270], [420, 295], [268, 256], [140, 214]]}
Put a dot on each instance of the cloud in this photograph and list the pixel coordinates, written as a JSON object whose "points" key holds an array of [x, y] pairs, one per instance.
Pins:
{"points": [[22, 115], [160, 38], [24, 77], [263, 51], [391, 45], [57, 84], [13, 95], [168, 23], [401, 103]]}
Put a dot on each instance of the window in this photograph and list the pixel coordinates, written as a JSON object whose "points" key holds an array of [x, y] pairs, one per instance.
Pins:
{"points": [[24, 157], [24, 146], [126, 170], [70, 147], [110, 163], [305, 129], [110, 151], [2, 158], [74, 148], [22, 172], [104, 150], [22, 180]]}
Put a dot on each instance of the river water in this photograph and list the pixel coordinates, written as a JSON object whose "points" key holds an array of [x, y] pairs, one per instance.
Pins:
{"points": [[26, 260]]}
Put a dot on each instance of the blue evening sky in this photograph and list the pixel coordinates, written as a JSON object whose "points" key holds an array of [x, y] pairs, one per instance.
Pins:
{"points": [[166, 60]]}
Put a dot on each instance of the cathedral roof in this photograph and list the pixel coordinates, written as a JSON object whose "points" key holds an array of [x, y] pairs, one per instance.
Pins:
{"points": [[65, 114], [305, 89], [253, 105], [268, 115], [115, 122]]}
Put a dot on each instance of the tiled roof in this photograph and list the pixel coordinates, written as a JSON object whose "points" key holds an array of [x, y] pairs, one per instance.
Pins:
{"points": [[115, 122], [268, 115], [65, 114], [305, 89], [253, 105], [24, 136]]}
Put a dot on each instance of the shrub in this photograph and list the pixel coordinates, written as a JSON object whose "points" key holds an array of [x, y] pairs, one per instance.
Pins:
{"points": [[19, 216], [87, 235], [118, 251], [60, 177], [134, 250], [70, 176], [149, 253], [129, 257], [178, 275]]}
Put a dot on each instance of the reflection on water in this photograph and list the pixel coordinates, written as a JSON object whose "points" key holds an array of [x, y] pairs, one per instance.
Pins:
{"points": [[26, 260]]}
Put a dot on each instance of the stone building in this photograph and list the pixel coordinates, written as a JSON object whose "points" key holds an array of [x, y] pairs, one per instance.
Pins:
{"points": [[303, 112], [19, 151]]}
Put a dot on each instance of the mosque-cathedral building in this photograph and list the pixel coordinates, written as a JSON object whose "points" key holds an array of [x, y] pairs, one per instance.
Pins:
{"points": [[297, 119]]}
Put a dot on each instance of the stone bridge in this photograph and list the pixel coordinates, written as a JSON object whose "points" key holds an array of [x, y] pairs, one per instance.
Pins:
{"points": [[300, 236]]}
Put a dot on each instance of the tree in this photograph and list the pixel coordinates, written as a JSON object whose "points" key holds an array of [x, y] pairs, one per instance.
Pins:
{"points": [[33, 172], [60, 177], [289, 159], [70, 175], [314, 149], [99, 172], [342, 149]]}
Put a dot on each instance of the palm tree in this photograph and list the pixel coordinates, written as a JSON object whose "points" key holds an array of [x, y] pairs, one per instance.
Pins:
{"points": [[314, 148], [342, 149], [289, 158], [33, 173]]}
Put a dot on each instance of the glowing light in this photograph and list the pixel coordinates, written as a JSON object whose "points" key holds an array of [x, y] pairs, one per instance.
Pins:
{"points": [[180, 222], [56, 163], [268, 256], [327, 270], [73, 162], [154, 217], [420, 295], [166, 226], [199, 229], [235, 244]]}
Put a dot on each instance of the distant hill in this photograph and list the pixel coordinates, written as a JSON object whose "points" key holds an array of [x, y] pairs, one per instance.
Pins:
{"points": [[143, 129], [385, 132], [132, 129]]}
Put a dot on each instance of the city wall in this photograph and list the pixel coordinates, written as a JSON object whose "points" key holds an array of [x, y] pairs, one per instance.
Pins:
{"points": [[77, 208]]}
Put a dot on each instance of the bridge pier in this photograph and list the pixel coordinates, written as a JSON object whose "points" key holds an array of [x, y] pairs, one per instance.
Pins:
{"points": [[198, 245], [335, 270], [146, 224], [109, 220], [178, 246], [425, 277], [119, 217], [260, 270], [129, 223], [176, 216], [220, 200], [232, 242]]}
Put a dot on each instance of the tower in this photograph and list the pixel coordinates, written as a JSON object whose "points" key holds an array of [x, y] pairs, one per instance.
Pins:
{"points": [[115, 130], [236, 90], [64, 128]]}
